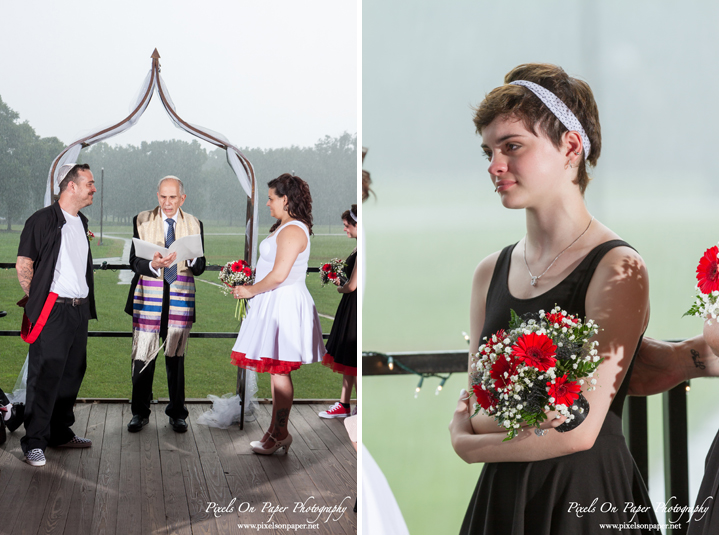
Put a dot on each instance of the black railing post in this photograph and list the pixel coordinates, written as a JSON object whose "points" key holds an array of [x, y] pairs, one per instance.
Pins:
{"points": [[676, 454], [635, 422]]}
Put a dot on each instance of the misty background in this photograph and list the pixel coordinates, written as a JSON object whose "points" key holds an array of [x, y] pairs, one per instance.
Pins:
{"points": [[653, 67], [278, 80]]}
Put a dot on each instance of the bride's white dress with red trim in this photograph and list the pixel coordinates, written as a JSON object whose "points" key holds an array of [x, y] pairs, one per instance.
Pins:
{"points": [[282, 329]]}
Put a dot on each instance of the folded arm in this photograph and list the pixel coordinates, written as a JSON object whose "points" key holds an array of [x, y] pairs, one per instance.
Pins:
{"points": [[351, 285], [618, 300], [661, 365]]}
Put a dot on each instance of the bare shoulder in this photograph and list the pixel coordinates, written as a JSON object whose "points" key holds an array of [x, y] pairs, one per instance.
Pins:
{"points": [[621, 264], [292, 231], [620, 284], [292, 234], [484, 271]]}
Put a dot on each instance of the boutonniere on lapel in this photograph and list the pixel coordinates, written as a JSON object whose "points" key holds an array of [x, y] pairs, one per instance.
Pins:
{"points": [[90, 235]]}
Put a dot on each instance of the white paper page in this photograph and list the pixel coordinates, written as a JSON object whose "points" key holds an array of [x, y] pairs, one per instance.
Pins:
{"points": [[186, 248], [146, 250]]}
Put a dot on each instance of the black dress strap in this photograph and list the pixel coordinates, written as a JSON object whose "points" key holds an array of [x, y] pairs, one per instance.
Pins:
{"points": [[582, 275], [569, 294]]}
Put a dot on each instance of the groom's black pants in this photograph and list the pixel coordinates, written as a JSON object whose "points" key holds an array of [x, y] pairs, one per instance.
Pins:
{"points": [[56, 366]]}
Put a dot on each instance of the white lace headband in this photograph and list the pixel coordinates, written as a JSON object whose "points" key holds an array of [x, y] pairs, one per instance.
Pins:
{"points": [[353, 216], [560, 110]]}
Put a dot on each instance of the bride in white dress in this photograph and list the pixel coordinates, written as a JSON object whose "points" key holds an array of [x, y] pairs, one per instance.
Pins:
{"points": [[282, 329]]}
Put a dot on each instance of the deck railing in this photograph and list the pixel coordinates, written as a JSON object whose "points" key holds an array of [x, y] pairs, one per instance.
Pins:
{"points": [[635, 420], [240, 389]]}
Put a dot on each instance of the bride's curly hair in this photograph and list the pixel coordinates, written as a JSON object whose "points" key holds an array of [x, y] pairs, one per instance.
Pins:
{"points": [[299, 199]]}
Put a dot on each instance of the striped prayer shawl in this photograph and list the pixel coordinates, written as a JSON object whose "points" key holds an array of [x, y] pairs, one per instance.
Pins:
{"points": [[147, 300]]}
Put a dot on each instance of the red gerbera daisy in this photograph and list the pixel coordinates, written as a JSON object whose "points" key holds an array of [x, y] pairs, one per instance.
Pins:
{"points": [[326, 268], [564, 392], [708, 271], [237, 266], [499, 368], [536, 350], [484, 398]]}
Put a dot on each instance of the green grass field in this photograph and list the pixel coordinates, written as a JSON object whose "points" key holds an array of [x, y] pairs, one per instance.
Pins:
{"points": [[422, 249], [208, 368]]}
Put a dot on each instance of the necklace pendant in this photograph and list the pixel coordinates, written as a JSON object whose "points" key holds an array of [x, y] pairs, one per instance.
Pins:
{"points": [[533, 282]]}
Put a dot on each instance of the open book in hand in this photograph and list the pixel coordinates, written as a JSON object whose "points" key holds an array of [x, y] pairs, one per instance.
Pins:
{"points": [[187, 248]]}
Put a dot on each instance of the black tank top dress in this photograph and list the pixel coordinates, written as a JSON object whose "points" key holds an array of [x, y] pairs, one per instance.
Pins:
{"points": [[520, 498], [707, 522], [342, 344]]}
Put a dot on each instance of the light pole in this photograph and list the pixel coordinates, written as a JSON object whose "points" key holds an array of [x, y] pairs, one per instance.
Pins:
{"points": [[102, 192]]}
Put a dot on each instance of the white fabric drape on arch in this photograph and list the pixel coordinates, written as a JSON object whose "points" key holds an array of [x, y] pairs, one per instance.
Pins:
{"points": [[235, 158], [151, 85]]}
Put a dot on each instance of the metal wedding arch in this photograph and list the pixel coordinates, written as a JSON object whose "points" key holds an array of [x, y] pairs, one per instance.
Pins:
{"points": [[240, 165]]}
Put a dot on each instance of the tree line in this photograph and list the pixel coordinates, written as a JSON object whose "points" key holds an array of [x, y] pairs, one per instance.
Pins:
{"points": [[25, 160], [131, 174]]}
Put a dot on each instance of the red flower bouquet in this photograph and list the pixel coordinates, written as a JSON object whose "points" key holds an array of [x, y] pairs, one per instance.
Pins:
{"points": [[538, 365], [707, 289], [333, 271], [237, 273]]}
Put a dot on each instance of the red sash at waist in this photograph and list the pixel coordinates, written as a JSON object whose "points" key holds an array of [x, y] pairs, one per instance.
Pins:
{"points": [[29, 332]]}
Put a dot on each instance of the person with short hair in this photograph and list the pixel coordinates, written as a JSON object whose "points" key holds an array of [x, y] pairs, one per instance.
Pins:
{"points": [[54, 268], [540, 131], [161, 302], [341, 346]]}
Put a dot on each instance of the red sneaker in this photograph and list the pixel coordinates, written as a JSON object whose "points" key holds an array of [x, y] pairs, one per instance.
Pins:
{"points": [[335, 411]]}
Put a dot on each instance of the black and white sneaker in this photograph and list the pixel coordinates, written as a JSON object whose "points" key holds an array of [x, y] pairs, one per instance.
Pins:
{"points": [[77, 442], [35, 457]]}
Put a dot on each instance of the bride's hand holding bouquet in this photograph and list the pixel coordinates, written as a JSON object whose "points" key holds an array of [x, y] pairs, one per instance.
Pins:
{"points": [[238, 276]]}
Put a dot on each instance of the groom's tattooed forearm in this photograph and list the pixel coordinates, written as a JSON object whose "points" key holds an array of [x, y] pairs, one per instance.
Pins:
{"points": [[25, 273], [695, 357]]}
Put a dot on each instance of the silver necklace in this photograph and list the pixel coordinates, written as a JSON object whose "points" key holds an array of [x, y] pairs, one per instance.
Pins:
{"points": [[535, 278]]}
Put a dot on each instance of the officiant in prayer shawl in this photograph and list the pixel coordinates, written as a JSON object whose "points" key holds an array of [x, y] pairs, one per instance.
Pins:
{"points": [[162, 304]]}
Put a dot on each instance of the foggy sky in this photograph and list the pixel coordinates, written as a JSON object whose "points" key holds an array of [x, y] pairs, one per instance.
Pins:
{"points": [[263, 74], [653, 67]]}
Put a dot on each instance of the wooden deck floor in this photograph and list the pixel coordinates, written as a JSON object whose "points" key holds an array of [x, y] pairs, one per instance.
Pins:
{"points": [[158, 481]]}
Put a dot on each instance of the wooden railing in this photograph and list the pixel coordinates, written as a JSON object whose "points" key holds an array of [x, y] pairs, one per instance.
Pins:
{"points": [[240, 390]]}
